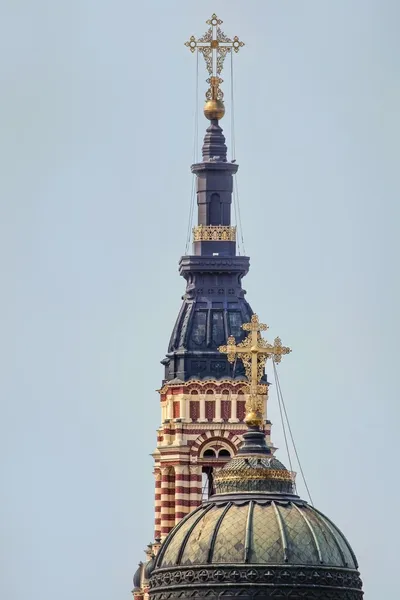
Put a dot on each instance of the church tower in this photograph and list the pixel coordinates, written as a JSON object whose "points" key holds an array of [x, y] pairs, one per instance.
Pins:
{"points": [[228, 520], [203, 395]]}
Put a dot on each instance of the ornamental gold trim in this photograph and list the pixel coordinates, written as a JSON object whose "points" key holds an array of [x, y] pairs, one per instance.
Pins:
{"points": [[253, 474], [254, 351], [215, 46], [214, 233]]}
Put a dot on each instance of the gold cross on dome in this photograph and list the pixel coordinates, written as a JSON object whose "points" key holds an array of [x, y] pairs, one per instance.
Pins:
{"points": [[254, 352], [214, 45]]}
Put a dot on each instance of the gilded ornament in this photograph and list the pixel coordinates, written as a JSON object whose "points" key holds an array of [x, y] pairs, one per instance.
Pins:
{"points": [[214, 45], [214, 233], [254, 352], [275, 474]]}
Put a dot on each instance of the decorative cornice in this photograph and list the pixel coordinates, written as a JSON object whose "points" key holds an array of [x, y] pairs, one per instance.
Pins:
{"points": [[214, 233], [319, 583], [254, 474], [214, 264], [209, 383]]}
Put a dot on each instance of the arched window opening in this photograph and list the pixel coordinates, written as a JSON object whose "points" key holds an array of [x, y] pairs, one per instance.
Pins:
{"points": [[224, 453], [194, 393], [209, 453], [215, 210]]}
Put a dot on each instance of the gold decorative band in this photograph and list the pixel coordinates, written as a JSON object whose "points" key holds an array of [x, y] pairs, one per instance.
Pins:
{"points": [[214, 233], [276, 474]]}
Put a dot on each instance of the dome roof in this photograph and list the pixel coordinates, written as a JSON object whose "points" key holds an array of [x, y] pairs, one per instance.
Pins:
{"points": [[137, 578], [269, 532]]}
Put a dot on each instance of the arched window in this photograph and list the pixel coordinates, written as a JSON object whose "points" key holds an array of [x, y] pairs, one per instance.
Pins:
{"points": [[209, 453], [224, 453], [215, 210]]}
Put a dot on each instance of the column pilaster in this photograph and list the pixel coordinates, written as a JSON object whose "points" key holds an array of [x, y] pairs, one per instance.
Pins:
{"points": [[167, 501], [217, 407], [233, 418], [182, 492], [157, 504], [182, 408], [195, 486], [202, 409]]}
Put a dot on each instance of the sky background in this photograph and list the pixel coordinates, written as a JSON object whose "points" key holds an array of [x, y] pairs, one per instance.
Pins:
{"points": [[96, 118]]}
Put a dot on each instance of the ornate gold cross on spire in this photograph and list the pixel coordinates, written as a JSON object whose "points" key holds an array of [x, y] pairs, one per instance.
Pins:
{"points": [[254, 351], [214, 45]]}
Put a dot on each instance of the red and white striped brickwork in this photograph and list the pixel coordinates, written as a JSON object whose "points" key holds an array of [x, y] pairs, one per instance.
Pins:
{"points": [[157, 504], [167, 499], [202, 426]]}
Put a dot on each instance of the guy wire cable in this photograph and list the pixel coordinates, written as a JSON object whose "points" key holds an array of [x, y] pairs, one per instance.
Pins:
{"points": [[278, 388], [195, 156]]}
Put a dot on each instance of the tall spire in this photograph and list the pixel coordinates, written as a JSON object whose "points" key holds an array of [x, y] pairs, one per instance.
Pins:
{"points": [[214, 235], [214, 305]]}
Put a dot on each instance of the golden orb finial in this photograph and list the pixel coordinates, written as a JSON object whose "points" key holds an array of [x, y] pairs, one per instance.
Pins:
{"points": [[253, 419], [214, 109]]}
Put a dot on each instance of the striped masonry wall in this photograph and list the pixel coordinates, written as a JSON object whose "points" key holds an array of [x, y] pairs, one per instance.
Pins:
{"points": [[167, 500], [182, 492], [195, 486], [157, 504]]}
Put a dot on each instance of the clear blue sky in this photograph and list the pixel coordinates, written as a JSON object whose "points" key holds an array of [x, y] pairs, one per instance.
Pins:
{"points": [[96, 113]]}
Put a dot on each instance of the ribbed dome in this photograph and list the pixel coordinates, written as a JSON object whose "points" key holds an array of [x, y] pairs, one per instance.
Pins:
{"points": [[270, 532]]}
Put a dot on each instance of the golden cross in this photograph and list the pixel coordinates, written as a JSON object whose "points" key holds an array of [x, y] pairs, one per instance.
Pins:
{"points": [[214, 46], [254, 352]]}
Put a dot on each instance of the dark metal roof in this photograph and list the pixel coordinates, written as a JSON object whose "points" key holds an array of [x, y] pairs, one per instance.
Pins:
{"points": [[214, 305]]}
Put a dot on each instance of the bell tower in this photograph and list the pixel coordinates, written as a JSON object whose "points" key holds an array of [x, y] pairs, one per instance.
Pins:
{"points": [[204, 392]]}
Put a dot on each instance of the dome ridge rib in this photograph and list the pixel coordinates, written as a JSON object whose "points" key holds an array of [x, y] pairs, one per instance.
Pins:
{"points": [[249, 526], [282, 531], [216, 530], [317, 546], [332, 527]]}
